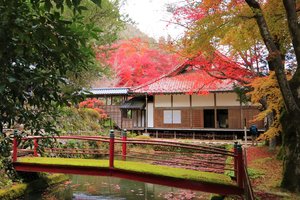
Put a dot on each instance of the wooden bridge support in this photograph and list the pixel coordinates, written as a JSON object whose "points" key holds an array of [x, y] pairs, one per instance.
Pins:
{"points": [[124, 145], [235, 159], [240, 166], [111, 148]]}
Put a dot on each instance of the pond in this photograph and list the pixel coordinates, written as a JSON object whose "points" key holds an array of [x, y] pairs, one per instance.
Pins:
{"points": [[106, 188]]}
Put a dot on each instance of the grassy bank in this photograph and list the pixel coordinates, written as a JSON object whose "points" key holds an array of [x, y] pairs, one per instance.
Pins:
{"points": [[19, 189]]}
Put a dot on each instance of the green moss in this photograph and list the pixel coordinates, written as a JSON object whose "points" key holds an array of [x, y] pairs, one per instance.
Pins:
{"points": [[137, 167], [56, 178], [228, 147], [228, 162], [20, 189], [254, 173], [66, 161], [216, 197], [13, 192], [173, 172]]}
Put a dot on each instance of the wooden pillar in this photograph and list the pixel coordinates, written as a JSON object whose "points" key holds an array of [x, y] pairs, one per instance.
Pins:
{"points": [[241, 114], [132, 119], [122, 118], [172, 125], [240, 166], [146, 113], [215, 110], [137, 118], [191, 112], [235, 159]]}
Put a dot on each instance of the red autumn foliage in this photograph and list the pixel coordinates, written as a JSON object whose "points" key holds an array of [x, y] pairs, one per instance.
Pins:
{"points": [[193, 10], [135, 62], [214, 72], [94, 104], [91, 103], [221, 67], [255, 153], [262, 160]]}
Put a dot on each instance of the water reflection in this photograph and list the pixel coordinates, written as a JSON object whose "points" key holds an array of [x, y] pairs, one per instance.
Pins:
{"points": [[107, 188]]}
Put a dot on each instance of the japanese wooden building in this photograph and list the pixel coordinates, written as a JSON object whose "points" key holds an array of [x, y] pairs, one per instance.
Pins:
{"points": [[179, 102]]}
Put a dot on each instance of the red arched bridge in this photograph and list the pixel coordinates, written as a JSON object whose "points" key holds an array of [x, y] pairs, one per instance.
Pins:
{"points": [[182, 165]]}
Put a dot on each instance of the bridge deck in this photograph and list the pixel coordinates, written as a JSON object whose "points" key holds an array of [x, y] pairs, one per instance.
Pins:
{"points": [[184, 178]]}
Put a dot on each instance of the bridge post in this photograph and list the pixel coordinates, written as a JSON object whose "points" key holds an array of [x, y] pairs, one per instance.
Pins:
{"points": [[124, 145], [35, 147], [235, 158], [15, 147], [111, 148], [240, 166]]}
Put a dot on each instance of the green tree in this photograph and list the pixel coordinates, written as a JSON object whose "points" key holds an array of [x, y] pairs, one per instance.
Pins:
{"points": [[107, 18], [109, 22], [45, 56]]}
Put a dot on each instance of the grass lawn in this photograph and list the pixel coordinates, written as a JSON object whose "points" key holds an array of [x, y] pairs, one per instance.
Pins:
{"points": [[135, 167]]}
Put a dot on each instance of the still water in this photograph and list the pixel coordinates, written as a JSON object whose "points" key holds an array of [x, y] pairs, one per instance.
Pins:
{"points": [[107, 188]]}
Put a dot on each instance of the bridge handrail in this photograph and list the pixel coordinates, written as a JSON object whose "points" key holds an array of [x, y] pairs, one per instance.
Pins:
{"points": [[164, 141], [142, 141], [134, 139], [248, 190]]}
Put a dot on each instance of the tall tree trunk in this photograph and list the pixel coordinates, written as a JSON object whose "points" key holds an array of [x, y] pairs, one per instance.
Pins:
{"points": [[291, 145], [291, 120], [272, 141]]}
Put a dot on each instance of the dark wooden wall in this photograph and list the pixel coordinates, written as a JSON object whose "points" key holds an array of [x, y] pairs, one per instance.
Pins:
{"points": [[193, 117]]}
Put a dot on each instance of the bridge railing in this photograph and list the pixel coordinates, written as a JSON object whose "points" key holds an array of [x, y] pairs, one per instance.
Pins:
{"points": [[248, 191], [190, 156]]}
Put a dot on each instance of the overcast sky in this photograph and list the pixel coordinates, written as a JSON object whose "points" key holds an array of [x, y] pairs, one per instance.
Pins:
{"points": [[152, 18]]}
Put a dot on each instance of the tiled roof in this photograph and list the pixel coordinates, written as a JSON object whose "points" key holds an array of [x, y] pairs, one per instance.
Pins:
{"points": [[134, 103], [187, 82], [109, 91]]}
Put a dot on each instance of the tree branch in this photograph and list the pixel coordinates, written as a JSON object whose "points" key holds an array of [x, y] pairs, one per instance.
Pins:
{"points": [[275, 59], [291, 13]]}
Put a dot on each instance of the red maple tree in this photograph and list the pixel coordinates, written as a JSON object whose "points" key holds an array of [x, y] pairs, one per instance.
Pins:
{"points": [[136, 62]]}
